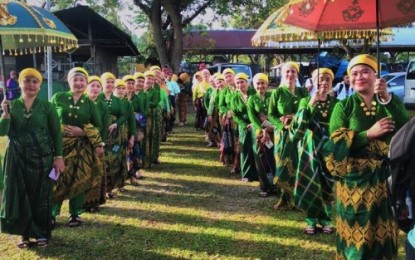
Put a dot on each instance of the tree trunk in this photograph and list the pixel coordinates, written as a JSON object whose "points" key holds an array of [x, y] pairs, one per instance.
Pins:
{"points": [[176, 42], [156, 29]]}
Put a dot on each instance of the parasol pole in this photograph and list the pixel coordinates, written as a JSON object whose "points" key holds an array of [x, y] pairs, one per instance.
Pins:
{"points": [[2, 71], [378, 37], [49, 61]]}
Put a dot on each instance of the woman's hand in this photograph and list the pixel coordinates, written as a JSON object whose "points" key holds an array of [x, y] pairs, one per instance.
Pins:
{"points": [[210, 119], [5, 104], [381, 88], [131, 142], [73, 131], [286, 120], [112, 127], [315, 98], [249, 127], [380, 128], [59, 165], [99, 150], [265, 137]]}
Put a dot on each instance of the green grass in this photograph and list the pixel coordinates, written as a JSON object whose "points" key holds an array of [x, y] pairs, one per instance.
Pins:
{"points": [[189, 207]]}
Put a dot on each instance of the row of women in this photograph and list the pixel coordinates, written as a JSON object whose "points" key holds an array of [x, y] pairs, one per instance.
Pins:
{"points": [[81, 145], [305, 145]]}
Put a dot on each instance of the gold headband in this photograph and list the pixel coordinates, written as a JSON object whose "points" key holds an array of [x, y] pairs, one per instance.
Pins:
{"points": [[30, 72], [364, 59]]}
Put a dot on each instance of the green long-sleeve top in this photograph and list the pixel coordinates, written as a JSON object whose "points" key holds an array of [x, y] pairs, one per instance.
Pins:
{"points": [[282, 103], [206, 98], [349, 113], [104, 115], [83, 112], [140, 102], [214, 101], [130, 122], [225, 98], [308, 115], [115, 108], [240, 109], [164, 102], [257, 107], [42, 116], [153, 97]]}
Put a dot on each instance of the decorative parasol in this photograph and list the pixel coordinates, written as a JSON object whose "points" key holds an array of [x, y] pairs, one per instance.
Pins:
{"points": [[327, 15], [28, 29]]}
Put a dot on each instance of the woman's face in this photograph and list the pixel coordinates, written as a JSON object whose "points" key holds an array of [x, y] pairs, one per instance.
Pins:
{"points": [[229, 78], [78, 84], [93, 89], [261, 86], [206, 75], [242, 85], [220, 83], [119, 91], [290, 75], [199, 78], [130, 85], [362, 78], [30, 86], [139, 84], [325, 83], [149, 82], [212, 82], [108, 85]]}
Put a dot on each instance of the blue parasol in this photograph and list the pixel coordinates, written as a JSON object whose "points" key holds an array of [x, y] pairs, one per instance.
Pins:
{"points": [[28, 29]]}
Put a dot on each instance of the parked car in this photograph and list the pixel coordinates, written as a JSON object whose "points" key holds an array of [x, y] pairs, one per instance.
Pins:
{"points": [[409, 99], [396, 83], [246, 68]]}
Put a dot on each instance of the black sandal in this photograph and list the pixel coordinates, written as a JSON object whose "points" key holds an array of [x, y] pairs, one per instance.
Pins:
{"points": [[24, 244], [42, 242], [310, 230], [74, 221]]}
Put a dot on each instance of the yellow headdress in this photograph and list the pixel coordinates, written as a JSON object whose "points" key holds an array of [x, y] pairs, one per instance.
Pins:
{"points": [[30, 72], [119, 83], [219, 76], [291, 64], [107, 75], [322, 71], [364, 59], [149, 73], [138, 75], [184, 77], [241, 75], [228, 70], [260, 76], [174, 78], [153, 68], [78, 71], [199, 73], [127, 78], [94, 78]]}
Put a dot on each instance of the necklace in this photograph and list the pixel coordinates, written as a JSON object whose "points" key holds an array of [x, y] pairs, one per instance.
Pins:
{"points": [[371, 111], [324, 108], [27, 114]]}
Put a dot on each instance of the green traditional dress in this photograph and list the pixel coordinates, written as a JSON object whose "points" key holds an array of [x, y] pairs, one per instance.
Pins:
{"points": [[229, 142], [115, 158], [166, 113], [312, 191], [365, 228], [97, 195], [140, 106], [82, 165], [153, 98], [214, 127], [240, 116], [264, 159], [35, 138], [283, 103]]}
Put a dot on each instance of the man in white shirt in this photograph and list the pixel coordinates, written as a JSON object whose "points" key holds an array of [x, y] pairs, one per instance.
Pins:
{"points": [[343, 89]]}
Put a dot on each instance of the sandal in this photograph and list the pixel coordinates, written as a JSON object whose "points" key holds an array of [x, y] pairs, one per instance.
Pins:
{"points": [[74, 221], [263, 194], [41, 242], [310, 230], [327, 229], [24, 244], [111, 195]]}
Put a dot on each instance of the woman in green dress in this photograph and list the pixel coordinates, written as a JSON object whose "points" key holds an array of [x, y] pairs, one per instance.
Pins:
{"points": [[312, 191], [283, 105], [97, 195], [240, 116], [82, 144], [361, 127], [115, 161], [34, 149], [153, 99], [262, 133], [214, 126]]}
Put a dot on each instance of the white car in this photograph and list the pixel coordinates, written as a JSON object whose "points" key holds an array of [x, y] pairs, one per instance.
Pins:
{"points": [[396, 83], [409, 99]]}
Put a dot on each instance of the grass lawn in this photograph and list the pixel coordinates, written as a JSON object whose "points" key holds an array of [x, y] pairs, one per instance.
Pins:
{"points": [[188, 207]]}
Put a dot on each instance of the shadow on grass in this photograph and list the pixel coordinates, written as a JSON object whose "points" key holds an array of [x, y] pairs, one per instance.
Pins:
{"points": [[127, 241]]}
